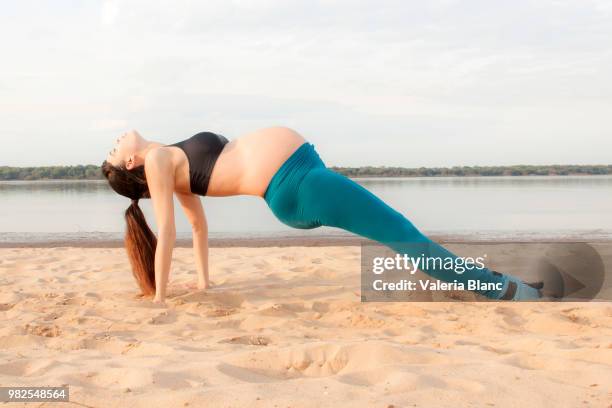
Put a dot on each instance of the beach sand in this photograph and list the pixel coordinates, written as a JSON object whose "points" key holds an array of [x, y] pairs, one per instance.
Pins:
{"points": [[284, 327]]}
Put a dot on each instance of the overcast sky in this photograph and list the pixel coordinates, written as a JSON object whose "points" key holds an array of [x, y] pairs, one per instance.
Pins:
{"points": [[408, 83]]}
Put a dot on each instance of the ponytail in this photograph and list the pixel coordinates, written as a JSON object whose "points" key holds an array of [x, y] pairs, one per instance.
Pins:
{"points": [[140, 244]]}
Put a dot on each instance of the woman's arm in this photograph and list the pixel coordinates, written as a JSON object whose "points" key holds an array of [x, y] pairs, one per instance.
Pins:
{"points": [[160, 179], [192, 206], [200, 247]]}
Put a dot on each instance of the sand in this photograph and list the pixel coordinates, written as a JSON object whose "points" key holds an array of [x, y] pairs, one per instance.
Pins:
{"points": [[284, 327]]}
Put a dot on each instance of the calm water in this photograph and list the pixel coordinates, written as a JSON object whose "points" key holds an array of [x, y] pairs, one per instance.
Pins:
{"points": [[483, 205]]}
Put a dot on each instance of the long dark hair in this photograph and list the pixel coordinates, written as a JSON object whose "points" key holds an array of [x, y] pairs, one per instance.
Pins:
{"points": [[140, 242]]}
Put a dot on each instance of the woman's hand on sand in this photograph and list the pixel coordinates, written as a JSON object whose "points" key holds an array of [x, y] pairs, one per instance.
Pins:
{"points": [[203, 285], [153, 304], [159, 303]]}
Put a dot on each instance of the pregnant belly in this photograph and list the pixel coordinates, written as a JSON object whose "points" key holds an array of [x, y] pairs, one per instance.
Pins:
{"points": [[248, 163]]}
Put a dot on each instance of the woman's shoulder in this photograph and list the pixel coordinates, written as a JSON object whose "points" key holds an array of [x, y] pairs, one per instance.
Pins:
{"points": [[158, 157]]}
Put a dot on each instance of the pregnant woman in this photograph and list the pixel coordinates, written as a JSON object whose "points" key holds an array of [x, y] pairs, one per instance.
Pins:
{"points": [[280, 166]]}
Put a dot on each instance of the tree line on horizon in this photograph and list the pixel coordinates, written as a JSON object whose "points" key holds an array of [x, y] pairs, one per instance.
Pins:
{"points": [[460, 171], [92, 172]]}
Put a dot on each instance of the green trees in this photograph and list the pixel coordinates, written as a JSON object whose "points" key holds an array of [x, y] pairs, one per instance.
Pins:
{"points": [[518, 170], [80, 172]]}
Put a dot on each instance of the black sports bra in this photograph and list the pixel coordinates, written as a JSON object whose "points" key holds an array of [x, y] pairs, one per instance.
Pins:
{"points": [[202, 151]]}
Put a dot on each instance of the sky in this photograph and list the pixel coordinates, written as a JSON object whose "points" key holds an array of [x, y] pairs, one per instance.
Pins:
{"points": [[381, 83]]}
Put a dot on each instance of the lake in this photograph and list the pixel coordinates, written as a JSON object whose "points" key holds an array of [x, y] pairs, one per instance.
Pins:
{"points": [[492, 206]]}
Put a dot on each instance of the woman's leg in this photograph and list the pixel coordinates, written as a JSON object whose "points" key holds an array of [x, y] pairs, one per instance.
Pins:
{"points": [[331, 199]]}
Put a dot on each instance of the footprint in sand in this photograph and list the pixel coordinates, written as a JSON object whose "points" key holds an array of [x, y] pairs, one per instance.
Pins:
{"points": [[249, 340], [281, 309], [323, 360], [43, 330], [262, 265], [573, 315], [227, 300], [511, 317], [221, 312], [52, 316], [533, 362], [320, 307], [26, 368], [5, 306], [165, 317]]}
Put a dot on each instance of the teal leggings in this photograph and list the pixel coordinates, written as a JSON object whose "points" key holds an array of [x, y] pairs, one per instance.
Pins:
{"points": [[305, 194]]}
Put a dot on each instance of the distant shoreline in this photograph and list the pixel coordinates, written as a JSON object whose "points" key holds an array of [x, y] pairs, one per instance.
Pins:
{"points": [[92, 172], [309, 241]]}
